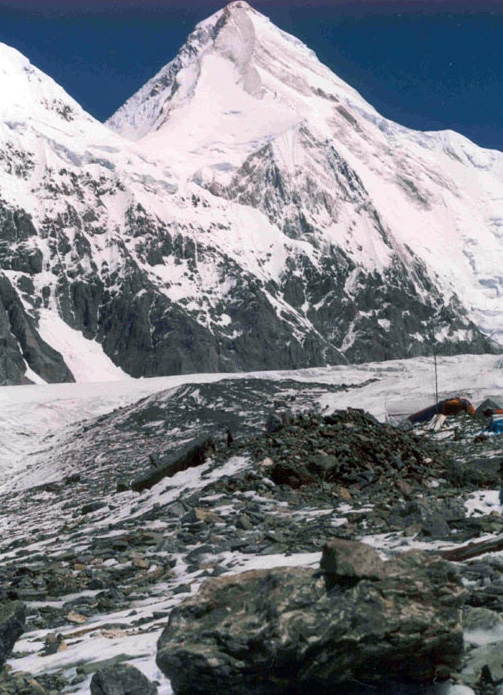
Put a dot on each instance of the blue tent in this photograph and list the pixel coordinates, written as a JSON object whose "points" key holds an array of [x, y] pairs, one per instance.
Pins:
{"points": [[496, 425]]}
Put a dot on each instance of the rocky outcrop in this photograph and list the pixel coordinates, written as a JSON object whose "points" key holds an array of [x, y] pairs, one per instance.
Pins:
{"points": [[41, 357], [12, 625], [12, 365], [190, 456], [299, 630], [432, 518], [351, 448], [368, 315], [22, 344]]}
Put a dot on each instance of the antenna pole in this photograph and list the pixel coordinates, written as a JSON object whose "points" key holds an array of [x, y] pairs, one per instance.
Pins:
{"points": [[436, 377]]}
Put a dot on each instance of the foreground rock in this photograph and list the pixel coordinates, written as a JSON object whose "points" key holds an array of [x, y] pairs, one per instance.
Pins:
{"points": [[297, 630], [12, 625]]}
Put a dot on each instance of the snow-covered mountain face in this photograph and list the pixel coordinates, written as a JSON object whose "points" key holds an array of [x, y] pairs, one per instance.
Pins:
{"points": [[245, 209]]}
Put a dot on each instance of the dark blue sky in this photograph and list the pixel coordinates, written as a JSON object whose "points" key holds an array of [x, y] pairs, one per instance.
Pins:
{"points": [[427, 64]]}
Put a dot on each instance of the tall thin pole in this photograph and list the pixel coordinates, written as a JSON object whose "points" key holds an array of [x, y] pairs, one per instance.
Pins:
{"points": [[436, 377]]}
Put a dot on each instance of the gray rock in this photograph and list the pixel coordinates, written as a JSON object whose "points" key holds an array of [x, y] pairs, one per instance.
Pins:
{"points": [[176, 509], [273, 424], [432, 515], [344, 559], [72, 479], [12, 625], [323, 465], [480, 471], [435, 525], [481, 619], [122, 485], [452, 508], [265, 632], [489, 658], [122, 679], [92, 507], [95, 666]]}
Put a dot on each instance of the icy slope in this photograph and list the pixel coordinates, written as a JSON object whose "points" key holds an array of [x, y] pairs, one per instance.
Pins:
{"points": [[252, 81]]}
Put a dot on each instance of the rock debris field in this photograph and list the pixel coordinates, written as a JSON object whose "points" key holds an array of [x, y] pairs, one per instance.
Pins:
{"points": [[279, 549]]}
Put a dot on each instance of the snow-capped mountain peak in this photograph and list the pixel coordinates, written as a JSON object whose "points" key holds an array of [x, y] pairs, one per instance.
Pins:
{"points": [[230, 63], [26, 91], [265, 216], [244, 100]]}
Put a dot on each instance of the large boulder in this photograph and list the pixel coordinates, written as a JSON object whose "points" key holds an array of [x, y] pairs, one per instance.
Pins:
{"points": [[12, 625], [349, 560], [271, 632]]}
